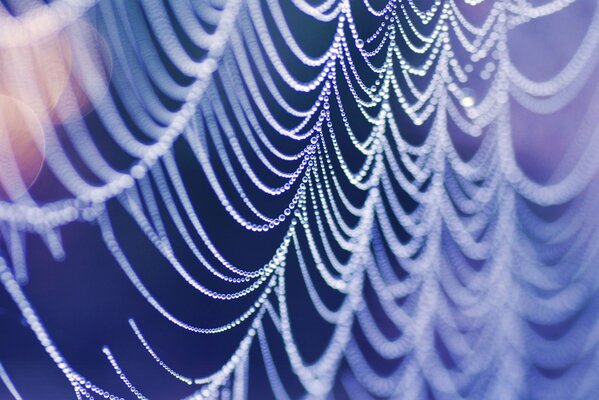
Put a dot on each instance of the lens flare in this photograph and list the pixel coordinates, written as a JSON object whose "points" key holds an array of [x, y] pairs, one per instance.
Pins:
{"points": [[90, 73], [36, 74], [22, 148]]}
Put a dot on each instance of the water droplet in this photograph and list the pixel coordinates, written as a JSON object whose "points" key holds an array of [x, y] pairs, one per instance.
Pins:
{"points": [[468, 100]]}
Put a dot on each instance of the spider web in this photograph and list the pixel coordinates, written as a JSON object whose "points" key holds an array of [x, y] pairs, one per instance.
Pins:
{"points": [[368, 172]]}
